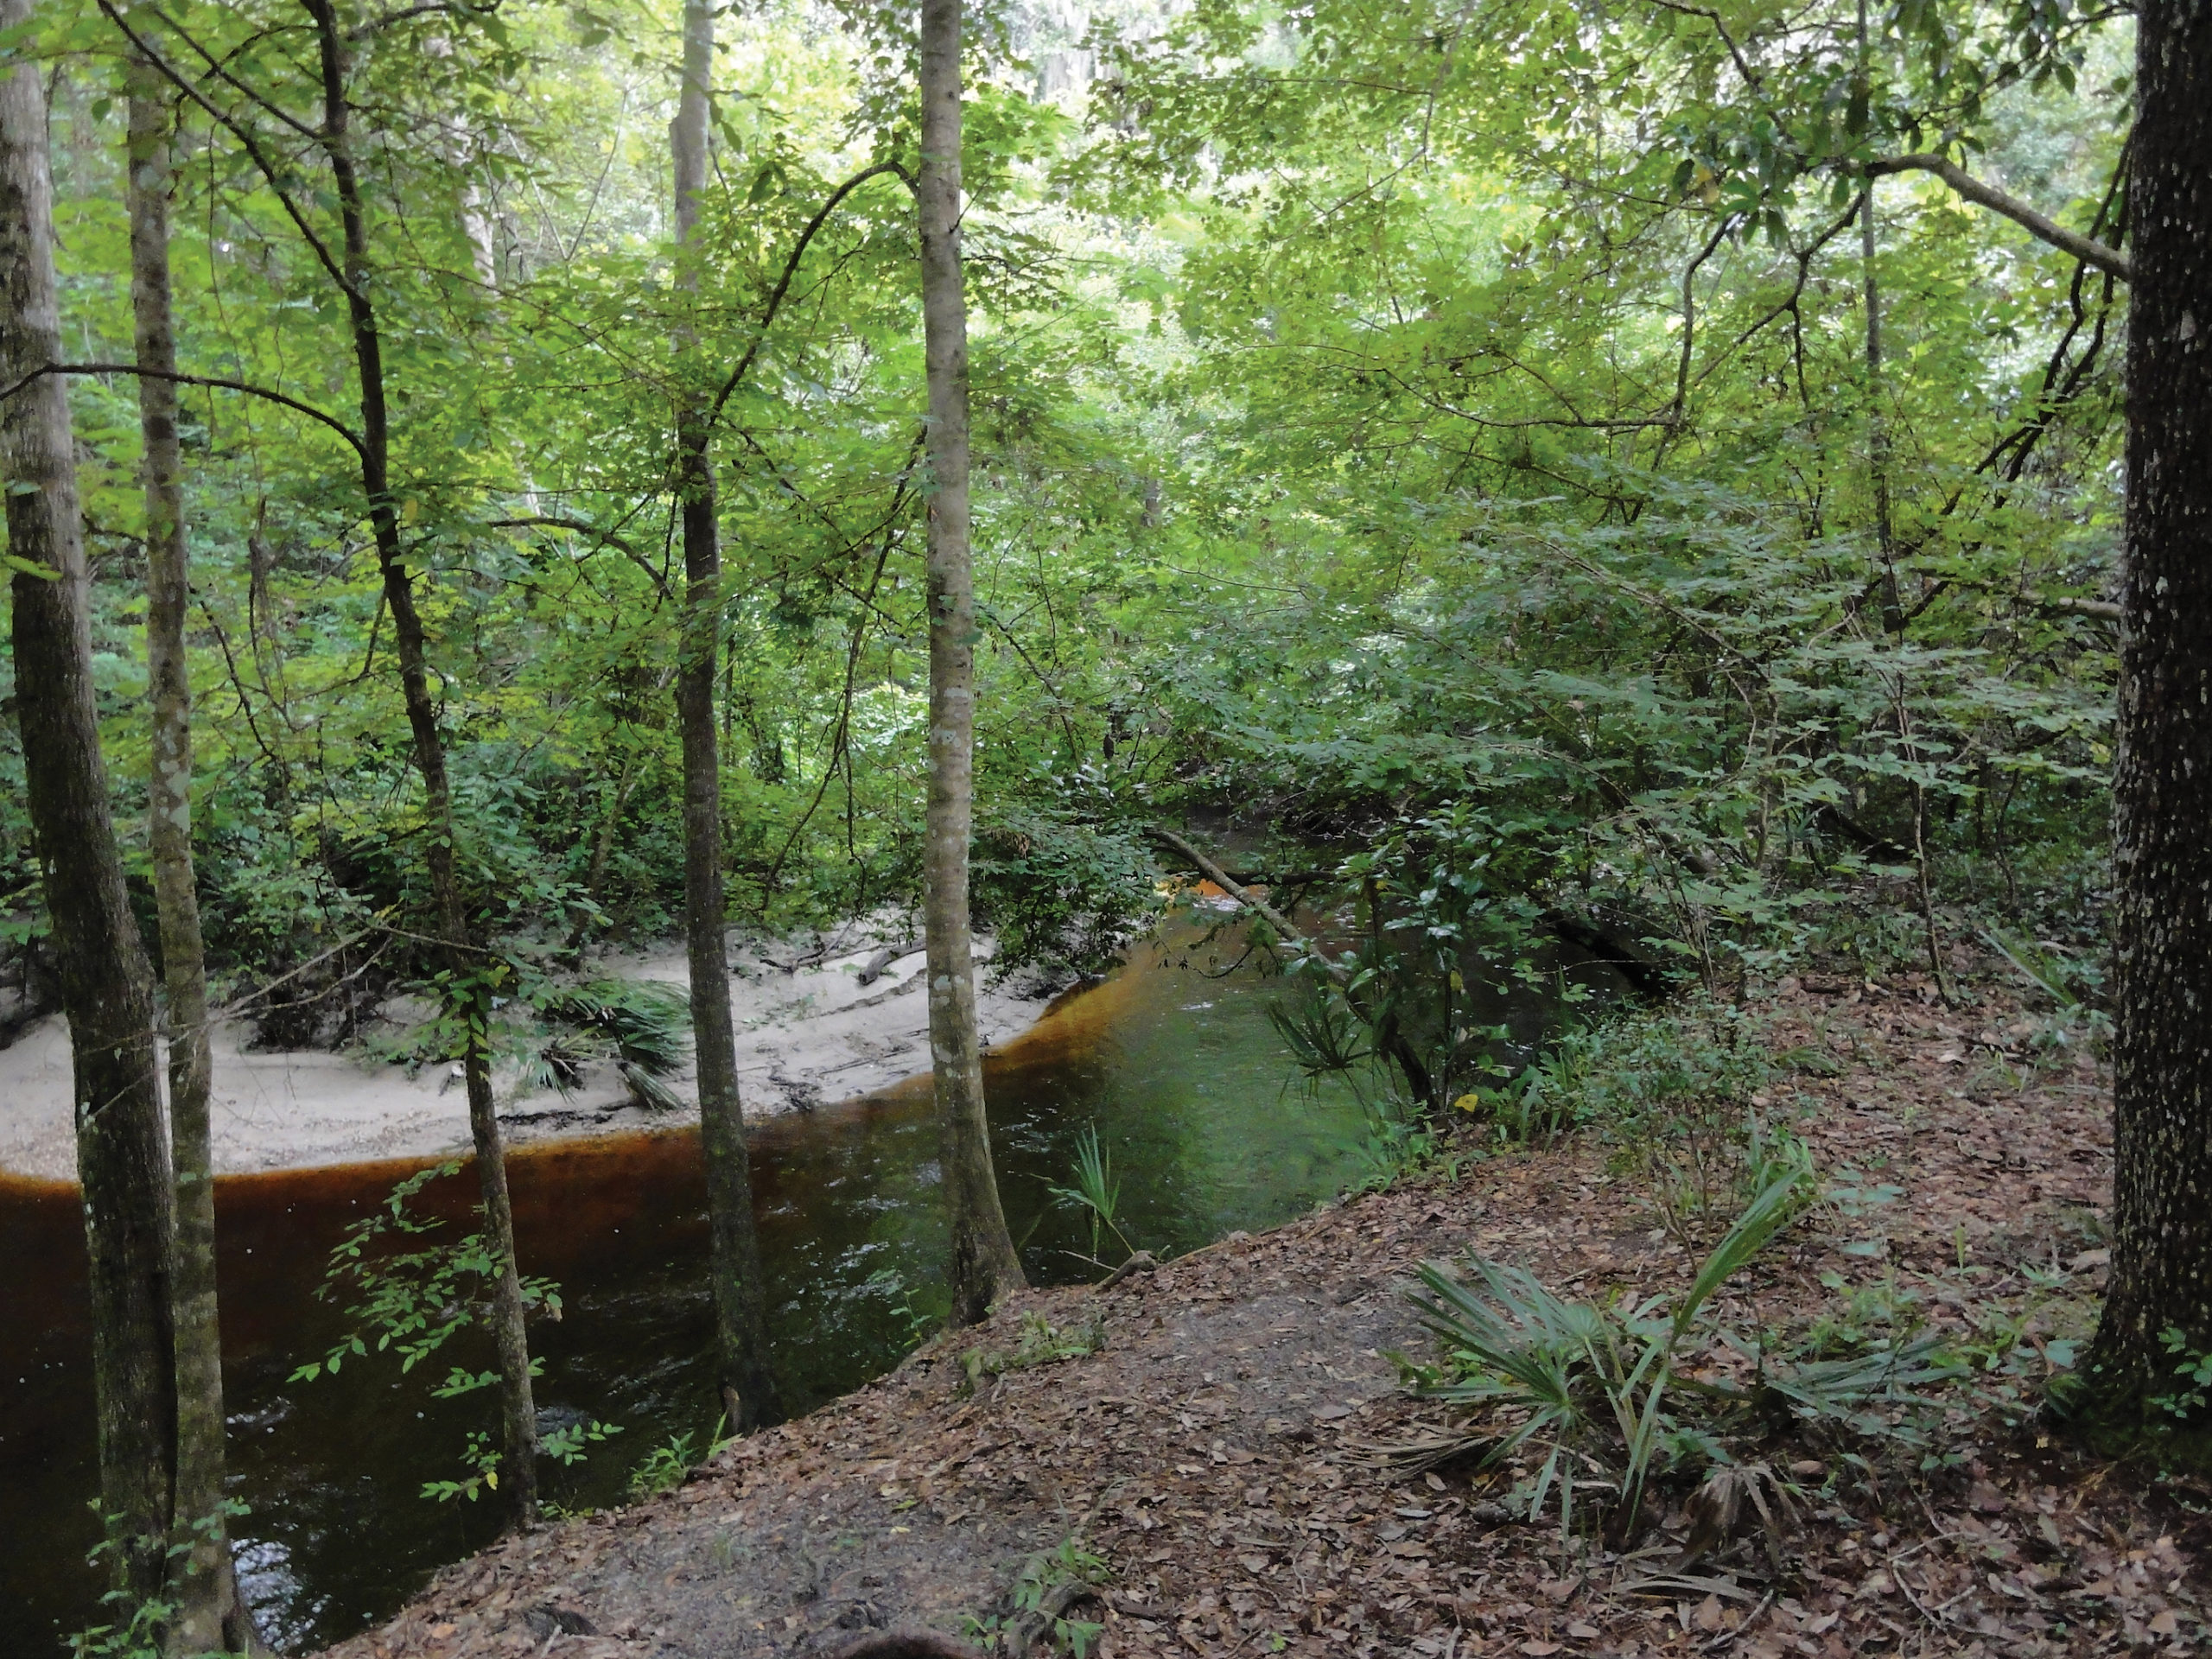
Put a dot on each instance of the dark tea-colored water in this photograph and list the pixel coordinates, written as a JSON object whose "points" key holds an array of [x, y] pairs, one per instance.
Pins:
{"points": [[1180, 1071]]}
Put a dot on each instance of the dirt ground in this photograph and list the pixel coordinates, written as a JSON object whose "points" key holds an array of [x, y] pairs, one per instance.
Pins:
{"points": [[1219, 1454]]}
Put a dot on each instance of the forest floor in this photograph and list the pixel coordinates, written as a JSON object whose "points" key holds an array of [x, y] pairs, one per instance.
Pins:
{"points": [[1218, 1455], [809, 1031]]}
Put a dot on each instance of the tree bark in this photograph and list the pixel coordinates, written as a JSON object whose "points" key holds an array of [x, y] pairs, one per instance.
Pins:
{"points": [[749, 1386], [469, 981], [203, 1584], [106, 983], [984, 1265], [2162, 785]]}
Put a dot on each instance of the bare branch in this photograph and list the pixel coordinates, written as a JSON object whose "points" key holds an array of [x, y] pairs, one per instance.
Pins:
{"points": [[784, 282], [2086, 249], [217, 381]]}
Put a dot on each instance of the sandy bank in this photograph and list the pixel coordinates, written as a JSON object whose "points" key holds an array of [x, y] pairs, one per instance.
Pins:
{"points": [[804, 1038]]}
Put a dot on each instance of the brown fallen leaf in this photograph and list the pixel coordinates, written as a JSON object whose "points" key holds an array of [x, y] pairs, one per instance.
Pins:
{"points": [[1583, 1631]]}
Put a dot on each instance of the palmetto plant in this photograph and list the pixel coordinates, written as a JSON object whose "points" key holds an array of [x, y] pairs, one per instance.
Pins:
{"points": [[1095, 1189], [1597, 1388], [643, 1026], [1591, 1384]]}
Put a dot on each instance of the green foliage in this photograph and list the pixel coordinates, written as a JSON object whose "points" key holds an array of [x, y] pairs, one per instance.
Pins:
{"points": [[670, 1463], [664, 1468], [1096, 1191], [1507, 523], [1039, 1342], [1032, 1600], [647, 1023], [136, 1632], [643, 1026], [1591, 1389], [481, 1460], [2192, 1371], [915, 1323], [138, 1628], [412, 1302]]}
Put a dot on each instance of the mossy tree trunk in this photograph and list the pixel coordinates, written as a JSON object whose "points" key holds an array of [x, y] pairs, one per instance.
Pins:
{"points": [[984, 1265], [106, 983], [203, 1584], [749, 1387]]}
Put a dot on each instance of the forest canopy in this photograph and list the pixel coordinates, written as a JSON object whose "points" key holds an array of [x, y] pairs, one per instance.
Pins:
{"points": [[1576, 460]]}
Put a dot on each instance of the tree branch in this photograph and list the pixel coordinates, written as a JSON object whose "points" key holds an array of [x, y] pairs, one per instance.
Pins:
{"points": [[1689, 318], [584, 527], [2086, 249], [251, 390], [1251, 900], [784, 282]]}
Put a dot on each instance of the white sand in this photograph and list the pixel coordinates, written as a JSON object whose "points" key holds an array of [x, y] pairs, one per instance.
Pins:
{"points": [[803, 1038]]}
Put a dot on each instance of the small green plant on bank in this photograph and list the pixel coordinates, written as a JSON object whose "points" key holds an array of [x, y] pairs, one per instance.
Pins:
{"points": [[136, 1632], [135, 1628], [915, 1323], [665, 1467], [1040, 1342], [1038, 1598], [1599, 1395], [662, 1469], [1397, 1147], [139, 1629], [2192, 1373], [1096, 1191]]}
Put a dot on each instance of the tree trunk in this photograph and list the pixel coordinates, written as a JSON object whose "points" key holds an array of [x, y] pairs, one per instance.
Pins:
{"points": [[202, 1584], [106, 984], [467, 968], [984, 1265], [2162, 786], [749, 1387]]}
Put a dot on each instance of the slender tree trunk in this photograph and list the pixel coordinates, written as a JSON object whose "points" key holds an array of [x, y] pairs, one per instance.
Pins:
{"points": [[106, 983], [467, 966], [984, 1265], [1877, 437], [203, 1584], [749, 1387], [2162, 786]]}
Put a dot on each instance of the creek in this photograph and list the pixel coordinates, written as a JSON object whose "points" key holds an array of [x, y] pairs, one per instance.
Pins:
{"points": [[1188, 1086], [1172, 1059]]}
